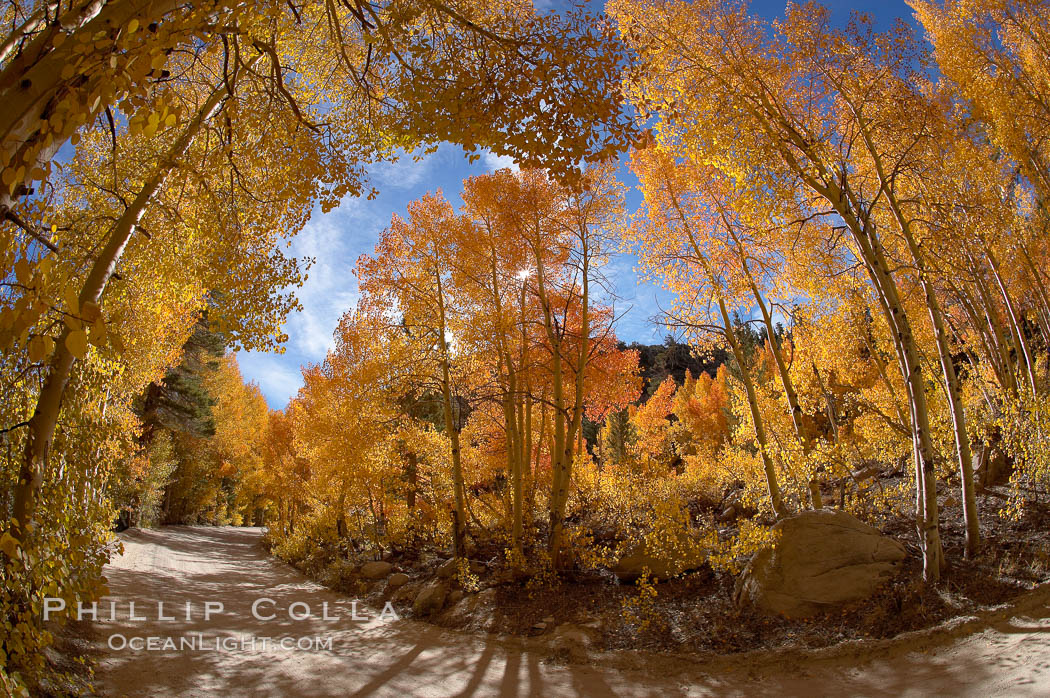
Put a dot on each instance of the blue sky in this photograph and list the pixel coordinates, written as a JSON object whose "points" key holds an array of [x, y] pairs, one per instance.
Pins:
{"points": [[338, 238]]}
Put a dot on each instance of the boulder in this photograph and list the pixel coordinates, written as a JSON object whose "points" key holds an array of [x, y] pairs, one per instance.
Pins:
{"points": [[664, 559], [571, 640], [376, 570], [397, 580], [430, 599], [485, 597], [821, 559]]}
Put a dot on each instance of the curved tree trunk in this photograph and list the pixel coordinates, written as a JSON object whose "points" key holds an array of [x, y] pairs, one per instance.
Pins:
{"points": [[951, 382], [41, 428]]}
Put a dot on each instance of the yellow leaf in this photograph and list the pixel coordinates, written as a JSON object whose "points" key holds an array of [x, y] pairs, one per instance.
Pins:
{"points": [[132, 26], [9, 544], [72, 322], [72, 299], [77, 343], [97, 335], [23, 272], [116, 342], [37, 349]]}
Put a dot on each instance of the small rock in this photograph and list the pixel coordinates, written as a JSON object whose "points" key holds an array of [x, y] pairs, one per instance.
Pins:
{"points": [[406, 593], [866, 473], [541, 626], [663, 560], [430, 599], [340, 574], [548, 619], [728, 514], [397, 580], [475, 610], [376, 570], [447, 569], [993, 467]]}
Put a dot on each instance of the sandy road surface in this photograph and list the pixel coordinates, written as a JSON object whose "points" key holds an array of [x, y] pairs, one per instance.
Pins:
{"points": [[1003, 653]]}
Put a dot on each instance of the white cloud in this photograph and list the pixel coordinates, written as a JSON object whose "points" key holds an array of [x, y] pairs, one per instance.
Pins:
{"points": [[409, 170], [493, 162], [334, 241], [278, 381]]}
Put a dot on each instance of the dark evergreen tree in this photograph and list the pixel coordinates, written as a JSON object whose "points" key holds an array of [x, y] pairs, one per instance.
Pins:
{"points": [[177, 411], [672, 358], [180, 403]]}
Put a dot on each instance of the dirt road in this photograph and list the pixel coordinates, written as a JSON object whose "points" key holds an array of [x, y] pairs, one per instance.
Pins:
{"points": [[1003, 653]]}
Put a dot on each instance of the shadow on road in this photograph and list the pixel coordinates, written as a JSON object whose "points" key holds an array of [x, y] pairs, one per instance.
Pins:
{"points": [[196, 565]]}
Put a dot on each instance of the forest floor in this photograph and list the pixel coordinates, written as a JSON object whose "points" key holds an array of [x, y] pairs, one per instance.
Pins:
{"points": [[696, 612], [1005, 650]]}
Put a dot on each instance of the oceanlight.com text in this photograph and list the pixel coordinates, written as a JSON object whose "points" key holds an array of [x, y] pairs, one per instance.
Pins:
{"points": [[198, 642]]}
